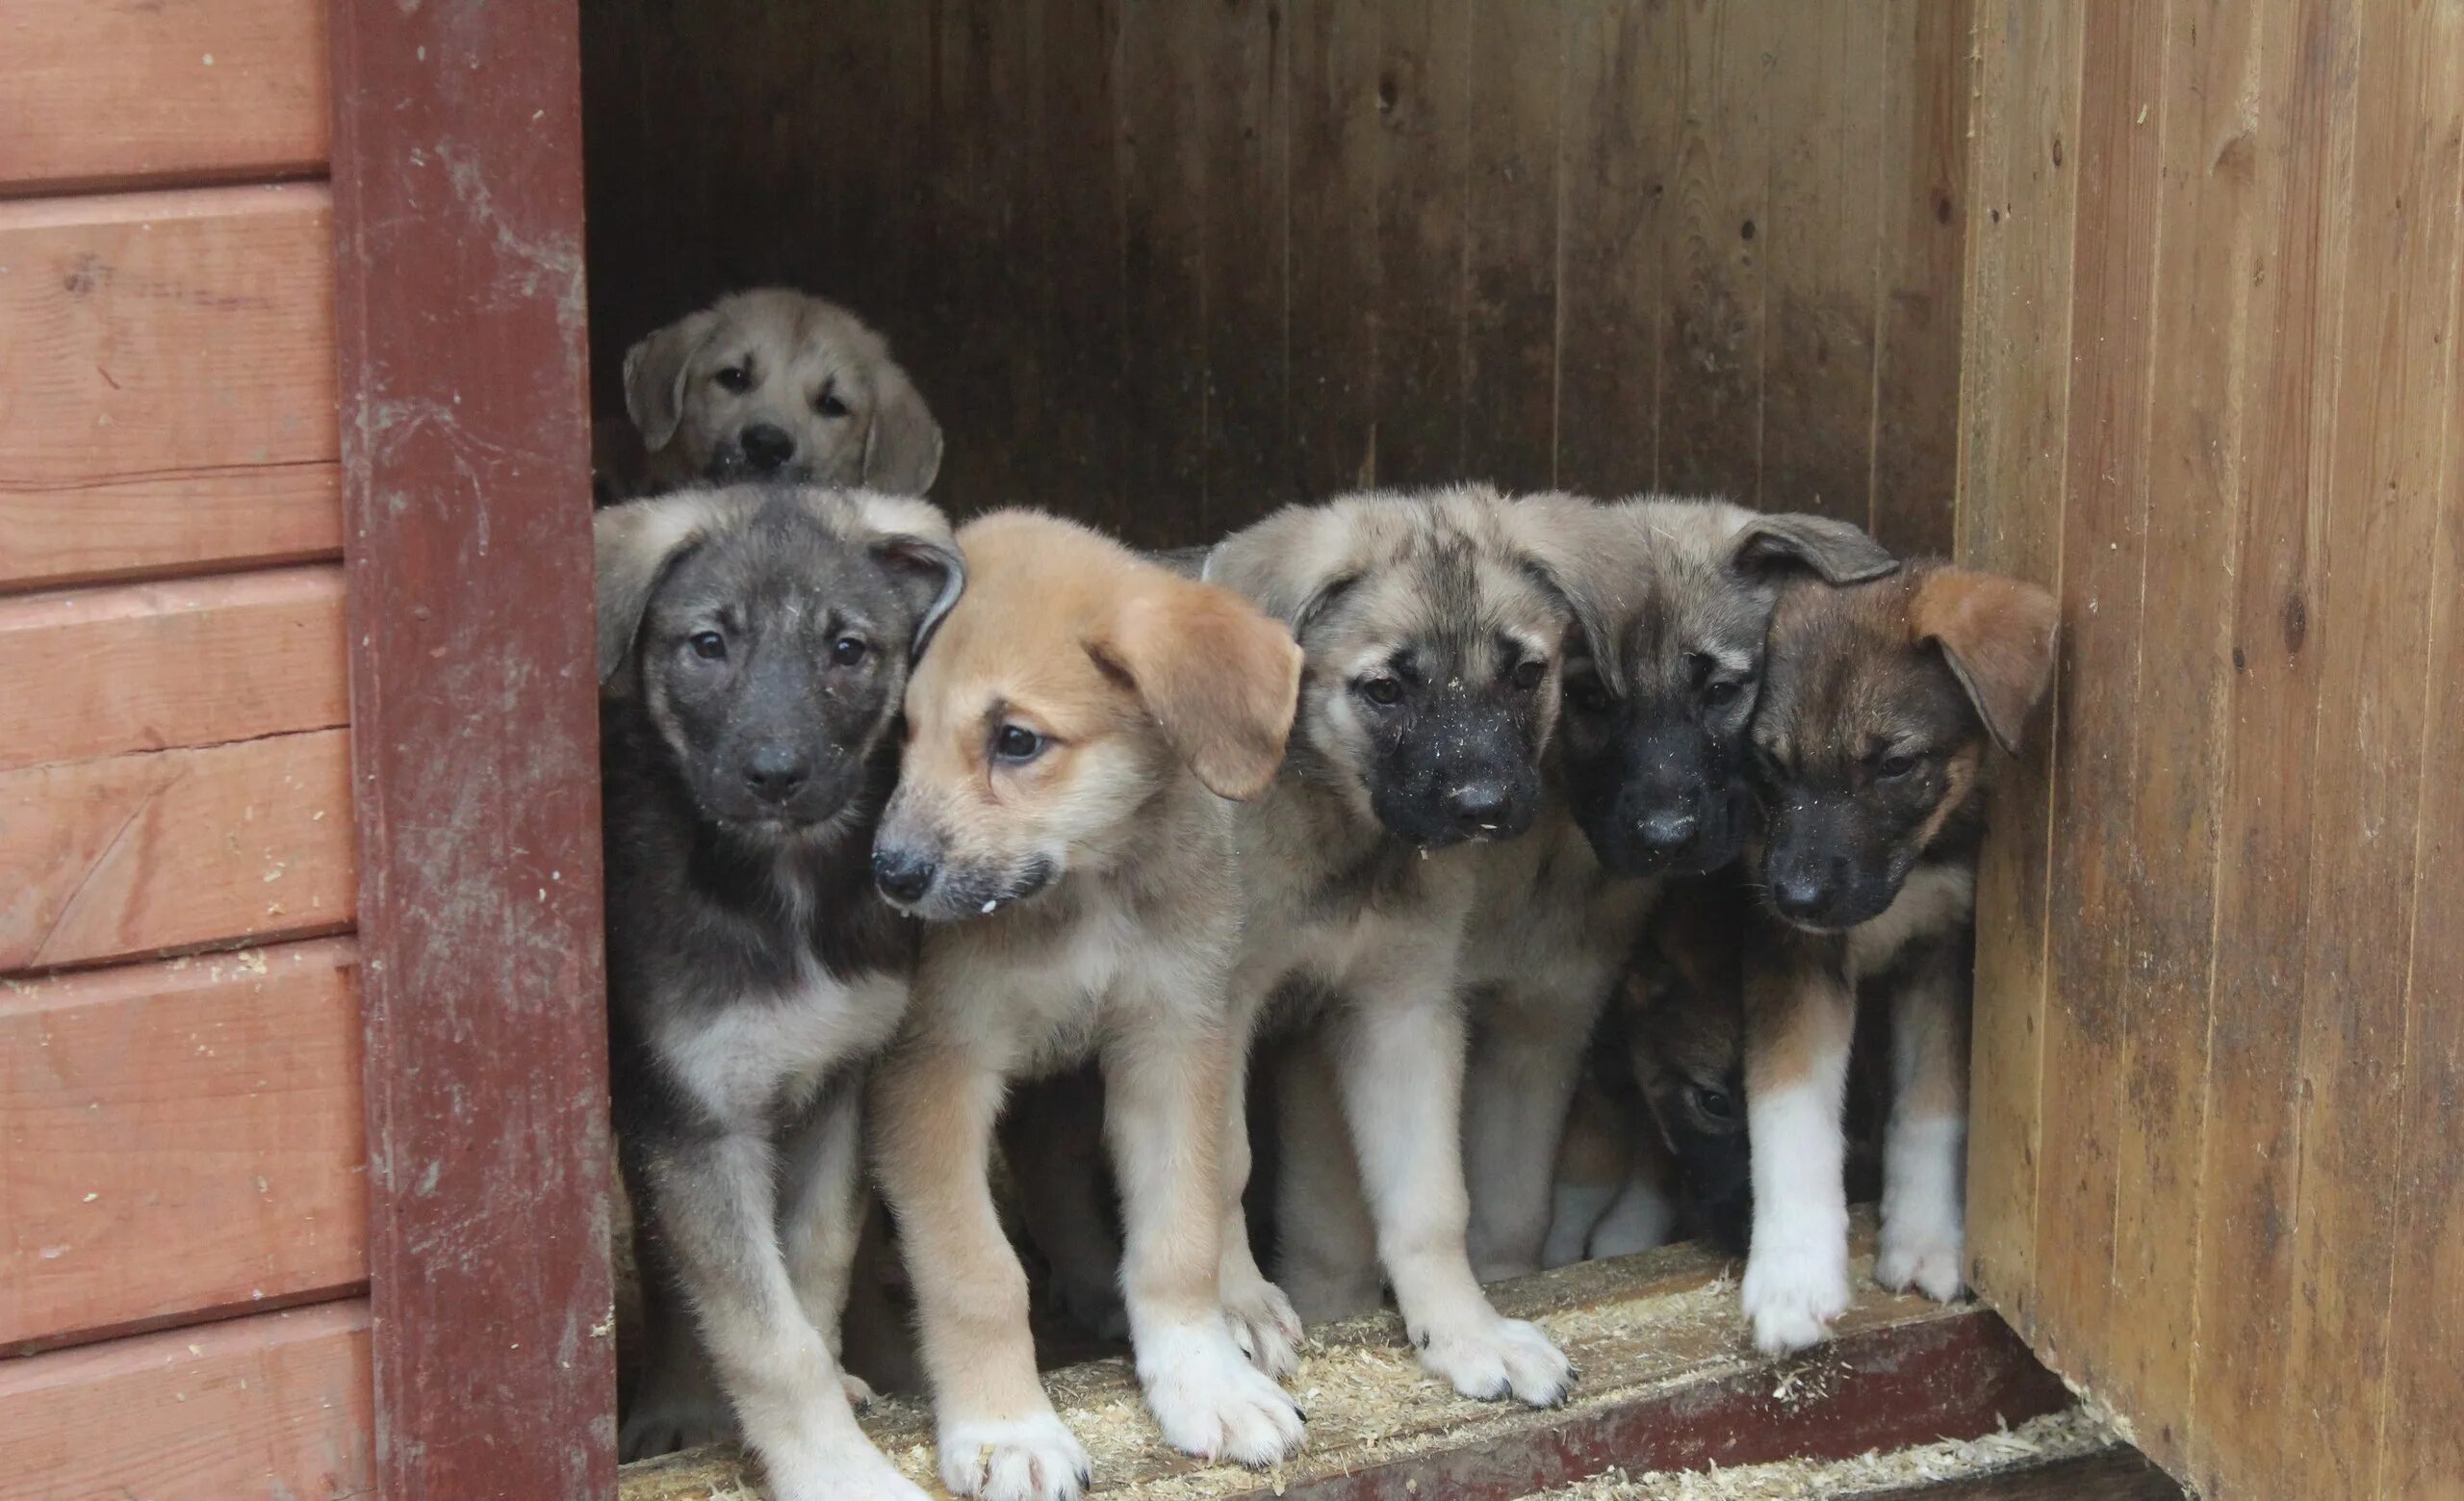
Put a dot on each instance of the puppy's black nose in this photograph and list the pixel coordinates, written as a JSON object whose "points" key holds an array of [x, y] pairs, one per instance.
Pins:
{"points": [[776, 773], [1666, 833], [1805, 894], [904, 874], [1477, 807], [767, 448]]}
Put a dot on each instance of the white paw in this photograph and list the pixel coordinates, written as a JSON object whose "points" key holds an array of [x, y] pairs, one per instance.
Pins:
{"points": [[1497, 1358], [845, 1472], [859, 1391], [1264, 1326], [1924, 1257], [663, 1422], [1793, 1291], [1032, 1460], [1211, 1402]]}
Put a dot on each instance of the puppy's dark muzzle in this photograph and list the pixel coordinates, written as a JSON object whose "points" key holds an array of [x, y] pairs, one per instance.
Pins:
{"points": [[1824, 889], [904, 875]]}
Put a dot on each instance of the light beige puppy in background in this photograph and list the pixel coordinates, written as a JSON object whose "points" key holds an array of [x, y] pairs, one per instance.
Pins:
{"points": [[1065, 820], [771, 383]]}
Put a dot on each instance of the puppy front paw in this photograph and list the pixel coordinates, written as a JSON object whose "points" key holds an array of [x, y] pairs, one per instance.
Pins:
{"points": [[1211, 1402], [663, 1422], [1496, 1359], [1793, 1291], [1263, 1325], [1035, 1459], [853, 1471], [1922, 1252]]}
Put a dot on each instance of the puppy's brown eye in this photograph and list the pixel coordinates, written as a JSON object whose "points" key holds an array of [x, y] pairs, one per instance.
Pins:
{"points": [[735, 379], [1892, 768], [1016, 744], [829, 406], [847, 651], [1528, 675], [1715, 1104], [709, 645], [1384, 692]]}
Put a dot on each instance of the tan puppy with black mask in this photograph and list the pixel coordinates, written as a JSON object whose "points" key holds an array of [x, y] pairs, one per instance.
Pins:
{"points": [[1064, 820]]}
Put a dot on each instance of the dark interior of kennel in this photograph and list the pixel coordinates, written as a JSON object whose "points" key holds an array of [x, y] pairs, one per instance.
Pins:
{"points": [[1164, 268]]}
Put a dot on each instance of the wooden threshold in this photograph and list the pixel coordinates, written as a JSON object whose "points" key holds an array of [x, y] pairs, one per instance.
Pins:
{"points": [[1669, 1382]]}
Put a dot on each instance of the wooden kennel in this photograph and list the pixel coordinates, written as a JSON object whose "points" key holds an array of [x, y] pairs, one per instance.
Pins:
{"points": [[302, 1157]]}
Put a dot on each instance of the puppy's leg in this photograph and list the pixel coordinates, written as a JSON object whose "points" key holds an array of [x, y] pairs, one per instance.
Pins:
{"points": [[1263, 1321], [1400, 1067], [1326, 1245], [718, 1215], [1516, 1091], [1925, 1144], [1644, 1214], [1591, 1174], [1800, 1016], [934, 1110], [1054, 1129], [821, 1207], [677, 1403], [1165, 1096]]}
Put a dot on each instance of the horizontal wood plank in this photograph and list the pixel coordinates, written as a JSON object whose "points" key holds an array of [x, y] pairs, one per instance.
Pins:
{"points": [[156, 666], [275, 1405], [179, 1138], [152, 852], [114, 93], [171, 359]]}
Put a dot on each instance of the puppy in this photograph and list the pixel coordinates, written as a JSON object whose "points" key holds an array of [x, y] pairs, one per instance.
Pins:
{"points": [[1647, 781], [1434, 626], [1871, 740], [1615, 1187], [1064, 822], [754, 647], [770, 384]]}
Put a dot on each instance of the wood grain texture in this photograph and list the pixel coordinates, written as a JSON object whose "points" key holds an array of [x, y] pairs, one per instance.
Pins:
{"points": [[2238, 1240], [474, 742], [1245, 60], [178, 1139], [115, 95], [98, 672], [1511, 255], [1423, 202], [143, 853], [1333, 135], [275, 1405], [171, 404]]}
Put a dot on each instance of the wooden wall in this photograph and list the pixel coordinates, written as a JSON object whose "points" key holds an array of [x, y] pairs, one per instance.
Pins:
{"points": [[1167, 264], [2216, 393], [180, 1096]]}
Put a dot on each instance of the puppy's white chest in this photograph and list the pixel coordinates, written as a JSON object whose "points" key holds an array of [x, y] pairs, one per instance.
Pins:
{"points": [[748, 1053]]}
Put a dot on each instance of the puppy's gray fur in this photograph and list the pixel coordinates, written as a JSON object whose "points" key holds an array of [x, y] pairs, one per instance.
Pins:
{"points": [[771, 383], [747, 750]]}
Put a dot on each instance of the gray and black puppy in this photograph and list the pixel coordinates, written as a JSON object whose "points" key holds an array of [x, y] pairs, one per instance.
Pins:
{"points": [[753, 649]]}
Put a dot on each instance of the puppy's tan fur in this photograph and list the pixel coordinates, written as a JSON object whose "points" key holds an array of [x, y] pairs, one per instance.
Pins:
{"points": [[1157, 698], [807, 368]]}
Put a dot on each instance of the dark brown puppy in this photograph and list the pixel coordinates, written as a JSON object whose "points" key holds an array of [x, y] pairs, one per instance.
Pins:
{"points": [[1871, 744]]}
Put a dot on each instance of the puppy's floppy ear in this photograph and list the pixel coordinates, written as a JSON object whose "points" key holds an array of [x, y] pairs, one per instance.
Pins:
{"points": [[902, 445], [1220, 679], [1997, 633], [912, 538], [654, 376], [636, 544], [1839, 551], [1292, 565], [1578, 555]]}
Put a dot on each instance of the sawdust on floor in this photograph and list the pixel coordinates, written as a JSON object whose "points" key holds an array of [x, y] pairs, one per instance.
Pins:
{"points": [[2057, 1436]]}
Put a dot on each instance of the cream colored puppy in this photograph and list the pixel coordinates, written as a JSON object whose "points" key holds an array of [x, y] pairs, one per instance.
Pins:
{"points": [[1064, 820], [770, 384]]}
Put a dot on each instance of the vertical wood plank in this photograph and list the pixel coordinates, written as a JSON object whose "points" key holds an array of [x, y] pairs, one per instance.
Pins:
{"points": [[1424, 79], [1835, 74], [1247, 257], [457, 189], [1335, 134], [2194, 474], [2245, 1172], [1510, 314], [1164, 175], [2017, 357], [1080, 190], [2392, 404], [1620, 141], [2121, 125], [1710, 419], [1924, 226]]}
